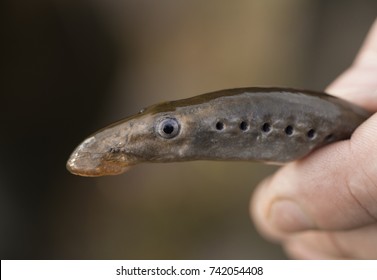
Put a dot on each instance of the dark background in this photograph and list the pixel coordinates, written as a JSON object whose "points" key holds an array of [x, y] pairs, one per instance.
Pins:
{"points": [[70, 67]]}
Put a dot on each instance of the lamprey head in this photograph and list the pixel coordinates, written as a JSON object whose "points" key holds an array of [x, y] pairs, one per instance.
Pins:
{"points": [[152, 135]]}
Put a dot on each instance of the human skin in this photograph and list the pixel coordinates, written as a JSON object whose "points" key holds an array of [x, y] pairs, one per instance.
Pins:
{"points": [[324, 206]]}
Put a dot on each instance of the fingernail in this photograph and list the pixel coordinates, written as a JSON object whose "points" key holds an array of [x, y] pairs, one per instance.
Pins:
{"points": [[286, 215]]}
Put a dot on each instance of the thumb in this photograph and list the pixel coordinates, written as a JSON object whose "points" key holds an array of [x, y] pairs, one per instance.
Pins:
{"points": [[335, 188]]}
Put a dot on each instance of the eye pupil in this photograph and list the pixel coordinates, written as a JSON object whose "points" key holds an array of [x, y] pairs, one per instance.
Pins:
{"points": [[168, 128]]}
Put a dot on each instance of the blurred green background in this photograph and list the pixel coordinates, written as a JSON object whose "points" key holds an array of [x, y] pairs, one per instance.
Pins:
{"points": [[69, 68]]}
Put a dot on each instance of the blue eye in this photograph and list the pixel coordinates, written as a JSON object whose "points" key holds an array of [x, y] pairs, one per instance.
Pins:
{"points": [[168, 128]]}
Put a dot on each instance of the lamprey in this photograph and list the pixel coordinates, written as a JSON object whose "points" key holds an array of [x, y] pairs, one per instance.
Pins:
{"points": [[245, 124]]}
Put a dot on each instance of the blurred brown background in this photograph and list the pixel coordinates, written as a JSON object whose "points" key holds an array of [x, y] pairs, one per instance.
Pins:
{"points": [[70, 67]]}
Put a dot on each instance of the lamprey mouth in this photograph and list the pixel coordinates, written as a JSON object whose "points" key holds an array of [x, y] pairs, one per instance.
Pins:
{"points": [[90, 161]]}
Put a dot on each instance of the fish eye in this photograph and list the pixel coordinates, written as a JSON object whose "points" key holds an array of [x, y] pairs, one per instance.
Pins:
{"points": [[168, 128]]}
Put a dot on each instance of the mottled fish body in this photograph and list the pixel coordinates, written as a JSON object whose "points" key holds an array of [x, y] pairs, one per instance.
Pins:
{"points": [[244, 124]]}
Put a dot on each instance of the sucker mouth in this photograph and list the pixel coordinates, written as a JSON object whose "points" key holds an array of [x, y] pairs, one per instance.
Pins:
{"points": [[85, 164], [86, 161]]}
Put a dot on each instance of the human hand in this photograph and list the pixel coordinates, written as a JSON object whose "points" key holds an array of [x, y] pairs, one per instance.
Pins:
{"points": [[325, 205]]}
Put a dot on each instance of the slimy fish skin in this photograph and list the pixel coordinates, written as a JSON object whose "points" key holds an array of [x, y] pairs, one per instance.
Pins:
{"points": [[244, 124]]}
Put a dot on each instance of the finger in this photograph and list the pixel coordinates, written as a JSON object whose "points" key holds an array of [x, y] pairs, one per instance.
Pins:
{"points": [[334, 188], [368, 53], [359, 84], [360, 243]]}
